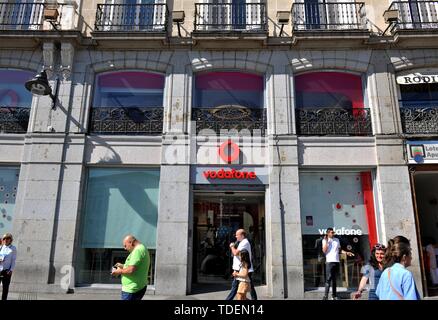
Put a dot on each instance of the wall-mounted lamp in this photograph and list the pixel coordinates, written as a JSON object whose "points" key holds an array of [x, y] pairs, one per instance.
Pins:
{"points": [[178, 18], [40, 86], [283, 18]]}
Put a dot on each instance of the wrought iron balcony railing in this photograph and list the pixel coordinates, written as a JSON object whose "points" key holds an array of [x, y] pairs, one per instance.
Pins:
{"points": [[14, 119], [334, 121], [21, 16], [230, 17], [416, 14], [419, 120], [329, 16], [236, 118], [132, 17], [128, 121]]}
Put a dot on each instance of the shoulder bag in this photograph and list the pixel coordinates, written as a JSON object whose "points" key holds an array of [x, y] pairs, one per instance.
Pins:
{"points": [[392, 288]]}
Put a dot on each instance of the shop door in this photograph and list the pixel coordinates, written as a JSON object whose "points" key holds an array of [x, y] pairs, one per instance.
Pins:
{"points": [[217, 216], [425, 186]]}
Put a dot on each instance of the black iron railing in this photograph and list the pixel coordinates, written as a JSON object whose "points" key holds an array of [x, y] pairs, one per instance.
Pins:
{"points": [[131, 17], [416, 14], [232, 118], [334, 121], [419, 120], [14, 119], [329, 16], [21, 16], [230, 17], [129, 120]]}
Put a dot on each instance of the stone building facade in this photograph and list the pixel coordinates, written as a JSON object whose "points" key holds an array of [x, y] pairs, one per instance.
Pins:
{"points": [[284, 46]]}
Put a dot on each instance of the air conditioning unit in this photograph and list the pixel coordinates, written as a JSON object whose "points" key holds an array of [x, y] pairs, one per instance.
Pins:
{"points": [[51, 13]]}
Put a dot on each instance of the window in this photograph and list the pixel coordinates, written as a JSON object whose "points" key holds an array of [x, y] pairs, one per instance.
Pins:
{"points": [[12, 91], [329, 90], [419, 95], [215, 89], [118, 202], [344, 202], [128, 89], [8, 194]]}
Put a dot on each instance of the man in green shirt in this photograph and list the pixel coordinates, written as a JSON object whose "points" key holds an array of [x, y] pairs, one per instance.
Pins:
{"points": [[135, 270]]}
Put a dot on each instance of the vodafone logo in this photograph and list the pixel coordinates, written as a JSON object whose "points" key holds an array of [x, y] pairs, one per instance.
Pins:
{"points": [[230, 174], [229, 151]]}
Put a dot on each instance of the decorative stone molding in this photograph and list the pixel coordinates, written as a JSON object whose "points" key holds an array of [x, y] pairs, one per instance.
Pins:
{"points": [[67, 54], [49, 57]]}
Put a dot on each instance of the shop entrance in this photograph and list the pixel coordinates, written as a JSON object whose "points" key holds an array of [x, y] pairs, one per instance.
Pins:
{"points": [[217, 216], [425, 186]]}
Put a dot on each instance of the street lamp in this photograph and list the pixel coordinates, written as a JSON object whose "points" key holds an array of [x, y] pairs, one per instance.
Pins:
{"points": [[40, 86]]}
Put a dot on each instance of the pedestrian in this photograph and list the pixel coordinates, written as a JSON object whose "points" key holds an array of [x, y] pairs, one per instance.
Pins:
{"points": [[242, 275], [397, 282], [331, 248], [8, 255], [432, 259], [320, 266], [372, 272], [135, 270], [243, 245]]}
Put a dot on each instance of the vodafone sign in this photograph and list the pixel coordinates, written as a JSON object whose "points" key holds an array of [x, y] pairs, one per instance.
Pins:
{"points": [[229, 174]]}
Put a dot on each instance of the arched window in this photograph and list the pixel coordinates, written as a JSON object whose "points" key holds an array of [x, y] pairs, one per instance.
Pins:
{"points": [[214, 89], [128, 102], [329, 90], [128, 89], [12, 90]]}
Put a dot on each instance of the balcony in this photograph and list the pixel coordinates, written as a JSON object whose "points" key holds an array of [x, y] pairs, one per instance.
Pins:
{"points": [[419, 120], [239, 119], [334, 121], [132, 17], [14, 120], [329, 16], [416, 15], [127, 121]]}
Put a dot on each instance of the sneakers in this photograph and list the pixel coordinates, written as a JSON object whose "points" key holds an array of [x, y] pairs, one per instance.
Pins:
{"points": [[336, 298], [325, 298]]}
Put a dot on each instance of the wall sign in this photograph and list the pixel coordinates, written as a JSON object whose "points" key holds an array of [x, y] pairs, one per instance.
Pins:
{"points": [[417, 79], [229, 175], [420, 152]]}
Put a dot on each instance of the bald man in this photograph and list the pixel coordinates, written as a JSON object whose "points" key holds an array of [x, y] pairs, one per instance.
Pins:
{"points": [[135, 270]]}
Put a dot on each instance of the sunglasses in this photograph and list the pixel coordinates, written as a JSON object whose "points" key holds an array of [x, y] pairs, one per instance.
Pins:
{"points": [[379, 246]]}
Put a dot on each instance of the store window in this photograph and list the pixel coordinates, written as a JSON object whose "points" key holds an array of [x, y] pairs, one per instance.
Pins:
{"points": [[13, 94], [117, 202], [128, 89], [329, 90], [345, 202], [214, 89], [8, 194]]}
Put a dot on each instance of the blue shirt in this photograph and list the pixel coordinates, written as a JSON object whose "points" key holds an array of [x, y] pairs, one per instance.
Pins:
{"points": [[8, 254], [373, 274], [401, 280]]}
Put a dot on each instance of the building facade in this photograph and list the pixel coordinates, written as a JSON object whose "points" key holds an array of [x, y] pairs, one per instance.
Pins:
{"points": [[182, 121]]}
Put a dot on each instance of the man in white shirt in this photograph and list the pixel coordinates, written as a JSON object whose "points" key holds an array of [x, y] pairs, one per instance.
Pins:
{"points": [[331, 248], [243, 245], [8, 254]]}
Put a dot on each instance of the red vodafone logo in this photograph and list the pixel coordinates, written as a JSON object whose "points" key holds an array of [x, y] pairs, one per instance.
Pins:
{"points": [[229, 151]]}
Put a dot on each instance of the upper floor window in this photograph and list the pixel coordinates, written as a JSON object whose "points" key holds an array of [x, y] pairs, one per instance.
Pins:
{"points": [[331, 103], [214, 89], [128, 102], [129, 89], [12, 90], [329, 90], [419, 95]]}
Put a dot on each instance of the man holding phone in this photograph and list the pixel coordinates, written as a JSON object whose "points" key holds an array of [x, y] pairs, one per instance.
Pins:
{"points": [[331, 248]]}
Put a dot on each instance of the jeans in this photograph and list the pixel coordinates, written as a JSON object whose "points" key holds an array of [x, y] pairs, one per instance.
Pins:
{"points": [[5, 280], [234, 286], [134, 296], [332, 269]]}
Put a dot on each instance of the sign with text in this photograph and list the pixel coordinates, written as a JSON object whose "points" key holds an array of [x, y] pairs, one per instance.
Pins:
{"points": [[417, 78], [229, 175], [420, 152]]}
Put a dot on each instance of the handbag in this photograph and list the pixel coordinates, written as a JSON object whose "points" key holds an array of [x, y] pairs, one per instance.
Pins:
{"points": [[392, 288], [243, 287]]}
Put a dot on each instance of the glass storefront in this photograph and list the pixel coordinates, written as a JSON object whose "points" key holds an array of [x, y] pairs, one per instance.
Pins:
{"points": [[345, 202], [217, 217], [117, 202], [8, 193]]}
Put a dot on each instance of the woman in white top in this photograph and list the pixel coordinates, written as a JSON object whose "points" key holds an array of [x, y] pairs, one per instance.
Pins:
{"points": [[8, 254]]}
